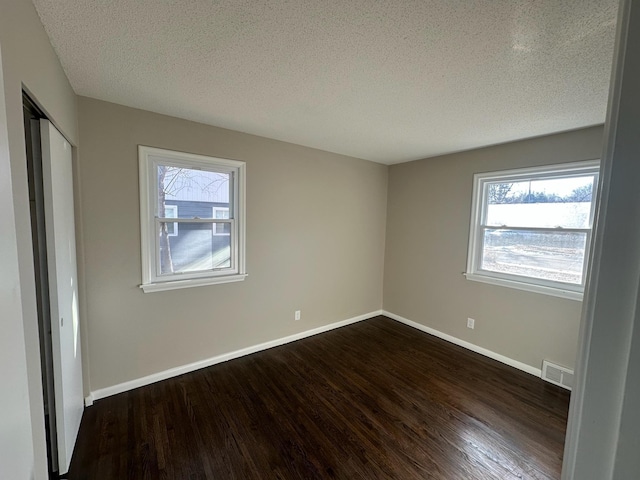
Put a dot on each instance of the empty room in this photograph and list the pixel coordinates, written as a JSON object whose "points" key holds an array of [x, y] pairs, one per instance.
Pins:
{"points": [[309, 240]]}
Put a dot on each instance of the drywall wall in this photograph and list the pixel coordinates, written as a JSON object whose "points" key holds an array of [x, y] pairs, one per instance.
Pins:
{"points": [[315, 243], [429, 209], [28, 61]]}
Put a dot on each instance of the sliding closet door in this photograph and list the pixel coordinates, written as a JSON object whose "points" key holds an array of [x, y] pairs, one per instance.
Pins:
{"points": [[63, 288]]}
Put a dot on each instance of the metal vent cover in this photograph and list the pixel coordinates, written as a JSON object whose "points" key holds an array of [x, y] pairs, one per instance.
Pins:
{"points": [[557, 375]]}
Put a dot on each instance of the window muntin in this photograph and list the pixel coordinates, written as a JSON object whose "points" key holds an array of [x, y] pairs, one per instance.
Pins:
{"points": [[531, 228], [190, 253]]}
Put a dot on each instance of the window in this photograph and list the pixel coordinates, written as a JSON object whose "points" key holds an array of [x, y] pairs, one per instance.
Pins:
{"points": [[171, 211], [221, 213], [531, 228], [205, 244]]}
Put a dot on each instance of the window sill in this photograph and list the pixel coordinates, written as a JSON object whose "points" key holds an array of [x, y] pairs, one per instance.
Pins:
{"points": [[528, 287], [193, 282]]}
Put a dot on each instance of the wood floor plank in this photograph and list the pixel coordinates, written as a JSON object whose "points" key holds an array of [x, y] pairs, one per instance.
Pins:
{"points": [[374, 400]]}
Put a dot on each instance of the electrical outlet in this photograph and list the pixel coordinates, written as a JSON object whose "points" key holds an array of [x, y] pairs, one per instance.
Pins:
{"points": [[296, 315], [471, 323]]}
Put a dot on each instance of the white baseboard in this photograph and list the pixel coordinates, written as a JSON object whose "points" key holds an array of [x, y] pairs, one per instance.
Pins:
{"points": [[174, 372], [469, 346]]}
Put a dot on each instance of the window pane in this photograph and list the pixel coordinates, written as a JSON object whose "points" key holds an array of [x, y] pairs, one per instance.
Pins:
{"points": [[558, 257], [194, 249], [171, 211], [559, 202], [222, 229], [221, 212], [542, 215], [195, 190]]}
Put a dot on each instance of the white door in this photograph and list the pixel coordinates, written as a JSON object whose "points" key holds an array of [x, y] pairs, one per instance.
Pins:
{"points": [[63, 288]]}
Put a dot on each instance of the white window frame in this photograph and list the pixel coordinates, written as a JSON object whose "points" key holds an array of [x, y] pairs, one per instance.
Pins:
{"points": [[152, 281], [175, 215], [219, 209], [477, 226]]}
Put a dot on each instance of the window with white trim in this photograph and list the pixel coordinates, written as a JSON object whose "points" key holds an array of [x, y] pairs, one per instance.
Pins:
{"points": [[203, 245], [221, 228], [171, 211], [531, 228]]}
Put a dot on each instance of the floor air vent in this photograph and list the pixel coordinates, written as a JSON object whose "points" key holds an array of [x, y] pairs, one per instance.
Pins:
{"points": [[558, 375]]}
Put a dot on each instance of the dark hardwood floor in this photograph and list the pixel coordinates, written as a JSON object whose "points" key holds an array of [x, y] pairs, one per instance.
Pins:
{"points": [[373, 400]]}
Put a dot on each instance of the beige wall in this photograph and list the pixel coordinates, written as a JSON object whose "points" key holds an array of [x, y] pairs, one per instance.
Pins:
{"points": [[315, 242], [28, 61], [428, 215]]}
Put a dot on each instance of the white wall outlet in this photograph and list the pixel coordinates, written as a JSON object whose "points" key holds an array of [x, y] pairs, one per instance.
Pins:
{"points": [[471, 323], [296, 315]]}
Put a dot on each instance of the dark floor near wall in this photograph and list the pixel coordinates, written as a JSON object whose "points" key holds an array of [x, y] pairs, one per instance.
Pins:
{"points": [[374, 400]]}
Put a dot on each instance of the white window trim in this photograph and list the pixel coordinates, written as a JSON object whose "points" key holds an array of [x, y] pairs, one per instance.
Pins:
{"points": [[151, 281], [557, 289], [224, 209], [175, 224]]}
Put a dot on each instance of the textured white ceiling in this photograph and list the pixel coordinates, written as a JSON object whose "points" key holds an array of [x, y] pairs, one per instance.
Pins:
{"points": [[388, 81]]}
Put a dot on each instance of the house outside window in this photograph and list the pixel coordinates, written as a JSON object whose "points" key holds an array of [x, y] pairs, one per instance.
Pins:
{"points": [[221, 228], [171, 211], [531, 228], [192, 219]]}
